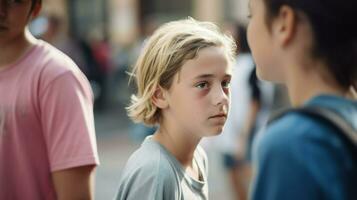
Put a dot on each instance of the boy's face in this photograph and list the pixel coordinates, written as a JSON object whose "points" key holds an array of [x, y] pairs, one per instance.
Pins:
{"points": [[199, 95], [14, 16]]}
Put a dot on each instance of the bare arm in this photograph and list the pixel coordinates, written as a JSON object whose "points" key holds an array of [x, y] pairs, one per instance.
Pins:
{"points": [[74, 183]]}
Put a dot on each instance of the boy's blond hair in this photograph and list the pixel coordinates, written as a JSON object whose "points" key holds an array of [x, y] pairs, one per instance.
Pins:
{"points": [[162, 57]]}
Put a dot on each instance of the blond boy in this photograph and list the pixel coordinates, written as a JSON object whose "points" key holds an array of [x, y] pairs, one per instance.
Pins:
{"points": [[183, 77]]}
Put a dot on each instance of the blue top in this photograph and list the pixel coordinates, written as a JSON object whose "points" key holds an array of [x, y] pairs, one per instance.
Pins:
{"points": [[299, 157]]}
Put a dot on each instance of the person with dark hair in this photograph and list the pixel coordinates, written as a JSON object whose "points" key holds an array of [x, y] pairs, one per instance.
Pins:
{"points": [[47, 137], [310, 46]]}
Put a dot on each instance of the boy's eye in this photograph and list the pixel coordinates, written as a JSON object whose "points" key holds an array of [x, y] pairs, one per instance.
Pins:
{"points": [[202, 85], [226, 84]]}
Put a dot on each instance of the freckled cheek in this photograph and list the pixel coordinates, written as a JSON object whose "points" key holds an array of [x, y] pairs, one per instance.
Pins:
{"points": [[202, 100]]}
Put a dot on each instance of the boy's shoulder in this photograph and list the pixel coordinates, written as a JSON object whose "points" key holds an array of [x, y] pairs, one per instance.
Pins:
{"points": [[149, 172], [151, 158]]}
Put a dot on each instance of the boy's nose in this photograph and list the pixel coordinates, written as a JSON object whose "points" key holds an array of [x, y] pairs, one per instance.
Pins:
{"points": [[220, 97]]}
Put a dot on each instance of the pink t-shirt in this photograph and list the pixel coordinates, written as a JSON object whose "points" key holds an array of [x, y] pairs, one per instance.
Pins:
{"points": [[46, 122]]}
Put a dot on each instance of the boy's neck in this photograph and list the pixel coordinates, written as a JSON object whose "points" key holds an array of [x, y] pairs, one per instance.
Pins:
{"points": [[12, 50], [182, 146], [179, 144]]}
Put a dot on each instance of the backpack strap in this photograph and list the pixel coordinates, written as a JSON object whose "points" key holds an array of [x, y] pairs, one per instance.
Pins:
{"points": [[329, 116]]}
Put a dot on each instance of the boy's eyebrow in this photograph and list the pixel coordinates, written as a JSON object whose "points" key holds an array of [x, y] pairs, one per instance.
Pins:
{"points": [[204, 76], [210, 76]]}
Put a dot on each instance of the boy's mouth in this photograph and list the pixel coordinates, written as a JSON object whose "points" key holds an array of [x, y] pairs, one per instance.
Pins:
{"points": [[219, 115]]}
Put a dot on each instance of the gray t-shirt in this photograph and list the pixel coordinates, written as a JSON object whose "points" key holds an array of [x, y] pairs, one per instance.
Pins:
{"points": [[153, 173]]}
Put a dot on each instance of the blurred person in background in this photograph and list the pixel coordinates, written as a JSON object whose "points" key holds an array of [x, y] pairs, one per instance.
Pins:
{"points": [[310, 46], [101, 53], [47, 137], [251, 101]]}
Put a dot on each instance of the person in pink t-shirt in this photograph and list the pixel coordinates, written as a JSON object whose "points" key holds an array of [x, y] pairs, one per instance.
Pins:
{"points": [[47, 138]]}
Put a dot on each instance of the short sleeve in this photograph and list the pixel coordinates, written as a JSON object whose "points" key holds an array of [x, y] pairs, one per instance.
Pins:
{"points": [[66, 106], [149, 182]]}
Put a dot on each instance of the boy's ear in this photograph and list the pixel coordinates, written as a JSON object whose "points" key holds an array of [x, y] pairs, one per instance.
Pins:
{"points": [[284, 26], [36, 10], [159, 98]]}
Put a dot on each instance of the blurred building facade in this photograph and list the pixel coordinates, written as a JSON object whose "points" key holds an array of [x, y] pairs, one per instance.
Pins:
{"points": [[125, 21]]}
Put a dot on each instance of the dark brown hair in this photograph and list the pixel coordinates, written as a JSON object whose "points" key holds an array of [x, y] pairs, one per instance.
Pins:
{"points": [[333, 24]]}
